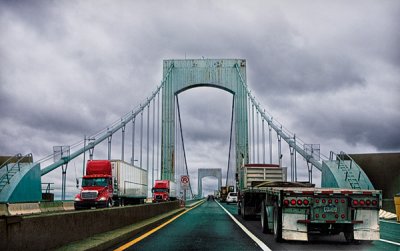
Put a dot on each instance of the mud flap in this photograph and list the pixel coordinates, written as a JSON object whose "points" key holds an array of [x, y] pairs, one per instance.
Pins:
{"points": [[291, 230], [369, 229]]}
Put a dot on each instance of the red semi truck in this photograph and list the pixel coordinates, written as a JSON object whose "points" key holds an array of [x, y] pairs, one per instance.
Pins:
{"points": [[164, 190], [111, 183]]}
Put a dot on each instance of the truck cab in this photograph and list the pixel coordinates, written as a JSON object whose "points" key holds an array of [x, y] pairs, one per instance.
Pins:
{"points": [[97, 186], [161, 191]]}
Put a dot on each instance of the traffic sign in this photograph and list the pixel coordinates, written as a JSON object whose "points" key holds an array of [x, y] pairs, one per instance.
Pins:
{"points": [[184, 182]]}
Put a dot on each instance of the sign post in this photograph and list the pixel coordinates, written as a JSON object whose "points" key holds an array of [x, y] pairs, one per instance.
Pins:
{"points": [[184, 185]]}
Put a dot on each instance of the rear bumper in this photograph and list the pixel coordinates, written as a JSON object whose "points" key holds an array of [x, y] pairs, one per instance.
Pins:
{"points": [[89, 204]]}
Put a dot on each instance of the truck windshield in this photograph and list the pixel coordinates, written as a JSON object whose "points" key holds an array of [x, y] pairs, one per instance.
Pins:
{"points": [[100, 182], [159, 190]]}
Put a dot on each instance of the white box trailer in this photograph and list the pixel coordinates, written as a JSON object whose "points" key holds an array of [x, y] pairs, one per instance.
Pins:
{"points": [[130, 182]]}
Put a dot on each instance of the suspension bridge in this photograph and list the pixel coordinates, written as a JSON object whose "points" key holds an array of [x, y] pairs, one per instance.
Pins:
{"points": [[157, 142], [150, 137]]}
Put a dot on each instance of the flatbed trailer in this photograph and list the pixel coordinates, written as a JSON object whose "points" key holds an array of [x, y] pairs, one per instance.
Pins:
{"points": [[292, 210]]}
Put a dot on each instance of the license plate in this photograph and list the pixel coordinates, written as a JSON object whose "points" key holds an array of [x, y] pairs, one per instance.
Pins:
{"points": [[330, 209]]}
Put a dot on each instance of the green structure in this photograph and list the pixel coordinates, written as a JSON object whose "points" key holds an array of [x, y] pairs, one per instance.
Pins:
{"points": [[182, 75]]}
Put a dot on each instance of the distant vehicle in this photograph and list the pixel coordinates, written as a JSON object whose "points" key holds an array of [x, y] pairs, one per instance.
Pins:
{"points": [[164, 190], [210, 197], [223, 193], [231, 198], [111, 183]]}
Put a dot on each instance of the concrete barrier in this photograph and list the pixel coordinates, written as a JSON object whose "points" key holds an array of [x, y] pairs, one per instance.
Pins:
{"points": [[3, 209], [56, 230], [24, 208], [51, 206], [68, 205]]}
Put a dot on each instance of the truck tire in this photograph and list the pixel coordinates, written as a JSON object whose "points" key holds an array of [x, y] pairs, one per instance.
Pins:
{"points": [[109, 203], [349, 235], [243, 210], [264, 218], [277, 223]]}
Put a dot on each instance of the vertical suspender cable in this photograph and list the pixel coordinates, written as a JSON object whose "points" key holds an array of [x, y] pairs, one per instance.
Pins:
{"points": [[183, 144], [152, 161], [263, 139], [148, 136], [258, 142], [249, 130], [270, 143], [123, 142], [133, 141], [252, 125], [158, 134], [141, 139], [230, 140]]}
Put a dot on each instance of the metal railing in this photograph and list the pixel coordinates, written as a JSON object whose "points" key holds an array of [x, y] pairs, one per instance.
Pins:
{"points": [[10, 170]]}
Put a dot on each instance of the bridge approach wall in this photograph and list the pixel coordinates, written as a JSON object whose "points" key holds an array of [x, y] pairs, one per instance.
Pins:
{"points": [[44, 232]]}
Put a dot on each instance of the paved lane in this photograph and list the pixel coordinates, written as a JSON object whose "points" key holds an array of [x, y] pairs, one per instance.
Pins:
{"points": [[207, 227]]}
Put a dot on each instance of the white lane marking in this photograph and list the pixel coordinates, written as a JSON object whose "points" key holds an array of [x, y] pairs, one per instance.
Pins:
{"points": [[250, 234], [391, 242]]}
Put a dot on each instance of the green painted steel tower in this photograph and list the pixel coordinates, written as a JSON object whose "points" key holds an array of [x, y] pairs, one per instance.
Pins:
{"points": [[182, 75]]}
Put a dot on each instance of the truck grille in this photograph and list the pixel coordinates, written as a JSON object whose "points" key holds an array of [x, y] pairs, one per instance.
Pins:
{"points": [[89, 195], [158, 197]]}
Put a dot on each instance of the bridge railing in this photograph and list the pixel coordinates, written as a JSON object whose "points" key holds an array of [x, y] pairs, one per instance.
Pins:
{"points": [[80, 147], [11, 171], [285, 134]]}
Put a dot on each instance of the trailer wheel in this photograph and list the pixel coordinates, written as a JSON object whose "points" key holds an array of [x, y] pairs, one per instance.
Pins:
{"points": [[264, 218], [109, 203], [349, 235], [277, 223], [243, 210]]}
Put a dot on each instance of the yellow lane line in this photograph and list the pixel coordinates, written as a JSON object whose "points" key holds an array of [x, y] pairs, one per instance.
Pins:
{"points": [[133, 242]]}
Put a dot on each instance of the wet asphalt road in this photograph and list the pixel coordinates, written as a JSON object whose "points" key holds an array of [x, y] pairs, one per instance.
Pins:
{"points": [[208, 227]]}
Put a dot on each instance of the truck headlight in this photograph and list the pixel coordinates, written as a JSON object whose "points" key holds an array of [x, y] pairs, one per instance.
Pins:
{"points": [[103, 198], [77, 199]]}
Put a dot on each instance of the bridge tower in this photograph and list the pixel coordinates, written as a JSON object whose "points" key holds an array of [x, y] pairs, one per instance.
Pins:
{"points": [[182, 75]]}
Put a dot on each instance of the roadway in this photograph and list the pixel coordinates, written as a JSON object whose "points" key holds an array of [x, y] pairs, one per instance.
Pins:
{"points": [[210, 227]]}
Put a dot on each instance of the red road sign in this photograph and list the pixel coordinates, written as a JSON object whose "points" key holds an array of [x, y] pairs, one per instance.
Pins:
{"points": [[184, 181]]}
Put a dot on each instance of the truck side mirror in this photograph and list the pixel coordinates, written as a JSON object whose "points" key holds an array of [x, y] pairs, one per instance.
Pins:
{"points": [[115, 184]]}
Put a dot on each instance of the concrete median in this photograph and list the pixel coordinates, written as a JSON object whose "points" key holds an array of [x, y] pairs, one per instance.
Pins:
{"points": [[24, 208], [58, 229]]}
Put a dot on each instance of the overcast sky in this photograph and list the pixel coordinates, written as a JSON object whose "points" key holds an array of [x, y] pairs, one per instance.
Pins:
{"points": [[327, 70]]}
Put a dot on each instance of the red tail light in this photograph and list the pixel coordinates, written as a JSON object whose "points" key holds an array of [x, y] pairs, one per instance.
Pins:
{"points": [[306, 202], [323, 216], [293, 202], [343, 216], [355, 202], [336, 201], [317, 201], [299, 202], [323, 200], [368, 202], [316, 215], [330, 201], [362, 202], [342, 201], [374, 202], [286, 203]]}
